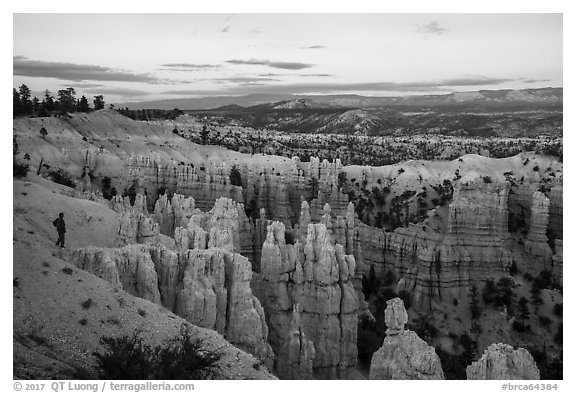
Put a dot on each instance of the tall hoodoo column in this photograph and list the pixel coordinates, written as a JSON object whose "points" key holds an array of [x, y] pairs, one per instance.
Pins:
{"points": [[317, 276]]}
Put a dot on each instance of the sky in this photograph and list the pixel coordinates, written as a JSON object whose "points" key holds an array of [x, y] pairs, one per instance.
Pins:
{"points": [[140, 57]]}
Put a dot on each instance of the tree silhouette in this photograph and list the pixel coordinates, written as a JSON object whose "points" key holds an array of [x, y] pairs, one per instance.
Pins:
{"points": [[83, 105], [17, 104], [25, 99], [204, 135], [67, 99], [523, 311], [235, 176], [48, 102], [99, 102]]}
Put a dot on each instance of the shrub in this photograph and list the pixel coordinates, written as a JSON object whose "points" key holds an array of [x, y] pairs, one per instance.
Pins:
{"points": [[342, 180], [513, 269], [369, 340], [128, 357], [544, 280], [544, 321], [68, 270], [557, 309], [86, 304], [60, 176], [424, 328], [20, 170], [558, 337], [519, 327], [235, 176], [130, 192], [487, 179], [108, 192]]}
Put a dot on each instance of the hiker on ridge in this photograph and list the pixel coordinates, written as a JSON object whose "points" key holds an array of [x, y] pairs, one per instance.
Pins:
{"points": [[61, 228]]}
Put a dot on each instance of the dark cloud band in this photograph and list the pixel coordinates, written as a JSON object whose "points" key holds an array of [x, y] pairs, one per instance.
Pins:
{"points": [[76, 72], [274, 64]]}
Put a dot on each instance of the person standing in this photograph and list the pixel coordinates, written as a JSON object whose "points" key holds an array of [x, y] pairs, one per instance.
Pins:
{"points": [[60, 228]]}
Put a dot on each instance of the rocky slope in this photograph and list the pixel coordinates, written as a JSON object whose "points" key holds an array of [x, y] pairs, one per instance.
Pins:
{"points": [[60, 312], [209, 288]]}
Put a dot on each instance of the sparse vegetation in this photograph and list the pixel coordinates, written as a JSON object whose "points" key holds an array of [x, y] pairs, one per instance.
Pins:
{"points": [[60, 176], [235, 176], [129, 357], [67, 270], [86, 304], [131, 192]]}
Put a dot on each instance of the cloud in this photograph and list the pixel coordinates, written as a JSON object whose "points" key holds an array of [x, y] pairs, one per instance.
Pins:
{"points": [[246, 79], [432, 28], [119, 91], [83, 85], [189, 66], [225, 29], [274, 64], [313, 47], [302, 88], [23, 66], [321, 75], [535, 80]]}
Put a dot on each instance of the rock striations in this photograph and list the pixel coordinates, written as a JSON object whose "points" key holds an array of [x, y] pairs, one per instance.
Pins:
{"points": [[439, 262], [501, 361], [403, 354], [317, 276], [536, 242]]}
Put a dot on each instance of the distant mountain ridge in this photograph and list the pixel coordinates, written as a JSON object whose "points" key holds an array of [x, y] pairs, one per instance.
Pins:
{"points": [[545, 96]]}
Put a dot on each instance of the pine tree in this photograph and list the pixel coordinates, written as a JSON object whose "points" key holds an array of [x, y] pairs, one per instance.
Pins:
{"points": [[48, 101], [67, 99], [83, 105], [25, 99], [536, 298], [513, 269], [489, 293], [17, 104], [35, 106], [505, 293], [99, 102], [474, 306], [204, 135], [523, 311]]}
